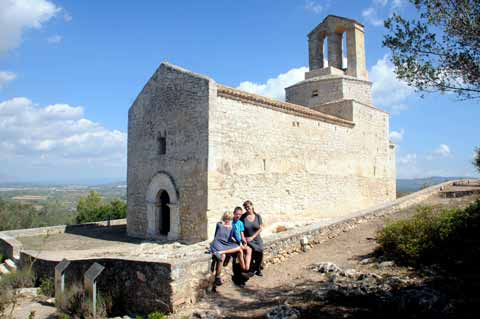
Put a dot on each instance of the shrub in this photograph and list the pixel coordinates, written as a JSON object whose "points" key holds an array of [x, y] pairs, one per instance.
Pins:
{"points": [[7, 297], [157, 315], [70, 301], [17, 215], [446, 236], [22, 278], [9, 282], [74, 302], [47, 287]]}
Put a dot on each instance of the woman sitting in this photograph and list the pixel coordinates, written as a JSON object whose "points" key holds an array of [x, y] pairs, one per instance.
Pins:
{"points": [[223, 243], [253, 227]]}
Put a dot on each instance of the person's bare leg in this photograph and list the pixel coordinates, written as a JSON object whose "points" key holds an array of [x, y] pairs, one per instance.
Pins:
{"points": [[230, 251], [241, 260], [248, 258], [218, 270]]}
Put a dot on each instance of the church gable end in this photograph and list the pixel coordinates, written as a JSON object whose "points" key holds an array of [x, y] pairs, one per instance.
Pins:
{"points": [[168, 132]]}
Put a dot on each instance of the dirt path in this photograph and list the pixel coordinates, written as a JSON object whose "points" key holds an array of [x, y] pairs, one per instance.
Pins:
{"points": [[292, 278]]}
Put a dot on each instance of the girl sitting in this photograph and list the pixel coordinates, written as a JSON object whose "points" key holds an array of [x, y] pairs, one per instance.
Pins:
{"points": [[223, 243]]}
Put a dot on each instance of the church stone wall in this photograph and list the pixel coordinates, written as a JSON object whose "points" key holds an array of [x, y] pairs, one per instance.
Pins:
{"points": [[294, 168], [317, 91], [174, 102]]}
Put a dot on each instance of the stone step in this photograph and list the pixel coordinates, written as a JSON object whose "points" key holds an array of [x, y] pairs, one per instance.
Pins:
{"points": [[10, 264], [4, 270]]}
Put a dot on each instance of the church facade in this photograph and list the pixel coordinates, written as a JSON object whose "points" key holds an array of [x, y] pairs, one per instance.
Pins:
{"points": [[197, 148]]}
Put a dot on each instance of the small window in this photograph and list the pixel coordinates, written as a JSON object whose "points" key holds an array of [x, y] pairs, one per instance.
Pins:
{"points": [[314, 93], [162, 145]]}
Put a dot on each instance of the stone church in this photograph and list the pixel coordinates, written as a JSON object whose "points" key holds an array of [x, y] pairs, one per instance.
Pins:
{"points": [[197, 148]]}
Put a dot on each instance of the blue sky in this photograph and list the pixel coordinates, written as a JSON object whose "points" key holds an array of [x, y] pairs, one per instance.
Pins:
{"points": [[69, 71]]}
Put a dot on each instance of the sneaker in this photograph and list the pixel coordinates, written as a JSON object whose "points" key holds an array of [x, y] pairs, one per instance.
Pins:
{"points": [[259, 273], [247, 275], [218, 281]]}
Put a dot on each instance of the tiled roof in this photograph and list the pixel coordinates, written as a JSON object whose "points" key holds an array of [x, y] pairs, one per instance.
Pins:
{"points": [[234, 94]]}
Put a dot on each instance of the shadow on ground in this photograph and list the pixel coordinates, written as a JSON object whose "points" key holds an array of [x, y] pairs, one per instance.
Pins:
{"points": [[437, 295]]}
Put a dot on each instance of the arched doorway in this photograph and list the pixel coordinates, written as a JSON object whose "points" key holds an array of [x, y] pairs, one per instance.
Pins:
{"points": [[163, 217], [163, 210]]}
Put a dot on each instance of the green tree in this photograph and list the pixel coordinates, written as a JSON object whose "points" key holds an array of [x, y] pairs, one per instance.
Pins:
{"points": [[88, 207], [118, 209], [91, 208], [476, 159], [439, 50]]}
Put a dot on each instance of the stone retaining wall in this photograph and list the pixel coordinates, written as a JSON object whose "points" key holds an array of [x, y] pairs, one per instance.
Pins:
{"points": [[133, 286], [50, 230], [280, 245]]}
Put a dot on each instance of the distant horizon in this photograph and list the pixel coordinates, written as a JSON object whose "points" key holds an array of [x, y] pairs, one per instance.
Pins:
{"points": [[113, 180]]}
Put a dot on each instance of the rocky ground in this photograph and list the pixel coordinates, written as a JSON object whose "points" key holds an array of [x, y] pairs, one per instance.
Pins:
{"points": [[341, 278]]}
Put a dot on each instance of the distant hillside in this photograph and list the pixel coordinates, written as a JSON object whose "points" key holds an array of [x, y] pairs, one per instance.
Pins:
{"points": [[413, 185]]}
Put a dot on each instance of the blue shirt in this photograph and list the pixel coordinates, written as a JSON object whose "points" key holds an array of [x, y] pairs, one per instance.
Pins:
{"points": [[237, 229]]}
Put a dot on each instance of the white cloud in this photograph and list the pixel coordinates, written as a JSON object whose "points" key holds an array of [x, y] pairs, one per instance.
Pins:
{"points": [[388, 91], [381, 3], [275, 87], [16, 16], [313, 6], [397, 136], [379, 10], [67, 16], [408, 159], [54, 39], [6, 77], [371, 15], [397, 4], [443, 150], [55, 137]]}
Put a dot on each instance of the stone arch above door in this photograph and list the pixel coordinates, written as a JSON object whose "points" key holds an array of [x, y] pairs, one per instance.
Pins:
{"points": [[162, 181]]}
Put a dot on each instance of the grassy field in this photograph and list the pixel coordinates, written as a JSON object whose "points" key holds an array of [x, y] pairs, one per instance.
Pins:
{"points": [[65, 197]]}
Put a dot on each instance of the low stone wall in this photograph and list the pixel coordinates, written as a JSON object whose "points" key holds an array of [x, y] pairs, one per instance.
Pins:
{"points": [[133, 286], [280, 245], [10, 247], [50, 230]]}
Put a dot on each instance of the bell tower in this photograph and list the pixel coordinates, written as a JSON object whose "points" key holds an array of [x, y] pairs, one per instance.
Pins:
{"points": [[333, 29], [328, 86]]}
